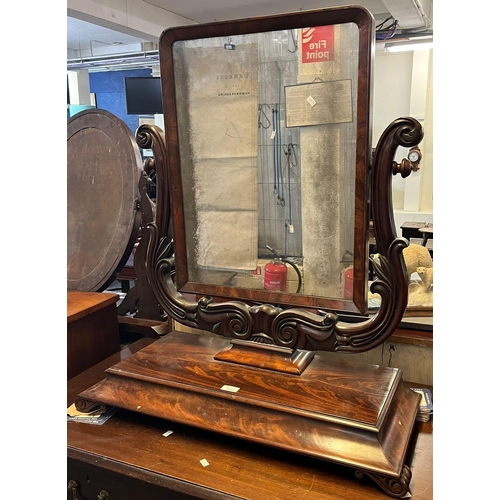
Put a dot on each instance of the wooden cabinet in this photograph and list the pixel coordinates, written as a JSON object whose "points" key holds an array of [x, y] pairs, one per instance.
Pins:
{"points": [[93, 333]]}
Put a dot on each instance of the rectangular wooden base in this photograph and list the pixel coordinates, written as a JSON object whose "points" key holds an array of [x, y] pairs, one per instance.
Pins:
{"points": [[350, 413]]}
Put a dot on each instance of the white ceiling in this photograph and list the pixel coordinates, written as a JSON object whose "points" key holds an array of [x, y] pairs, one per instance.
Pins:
{"points": [[220, 10], [93, 39], [82, 35]]}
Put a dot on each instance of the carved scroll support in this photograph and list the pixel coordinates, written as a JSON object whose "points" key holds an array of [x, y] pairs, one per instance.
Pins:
{"points": [[395, 487], [85, 405], [141, 301], [152, 137], [298, 328]]}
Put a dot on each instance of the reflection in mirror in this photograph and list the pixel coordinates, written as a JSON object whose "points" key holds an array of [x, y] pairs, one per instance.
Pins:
{"points": [[268, 158], [419, 265]]}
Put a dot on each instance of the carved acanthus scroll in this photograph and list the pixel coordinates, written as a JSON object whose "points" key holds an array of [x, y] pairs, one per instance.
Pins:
{"points": [[396, 487], [298, 328]]}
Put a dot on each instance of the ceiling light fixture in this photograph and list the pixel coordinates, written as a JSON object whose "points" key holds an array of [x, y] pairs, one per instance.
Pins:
{"points": [[116, 61], [419, 44]]}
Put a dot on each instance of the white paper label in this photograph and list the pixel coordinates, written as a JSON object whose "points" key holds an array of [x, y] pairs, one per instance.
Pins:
{"points": [[204, 462], [229, 388], [311, 101]]}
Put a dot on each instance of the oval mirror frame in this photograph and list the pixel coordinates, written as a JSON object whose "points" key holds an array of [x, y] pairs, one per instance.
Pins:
{"points": [[102, 187]]}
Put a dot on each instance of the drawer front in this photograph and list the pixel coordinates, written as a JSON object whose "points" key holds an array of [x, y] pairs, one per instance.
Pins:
{"points": [[93, 482]]}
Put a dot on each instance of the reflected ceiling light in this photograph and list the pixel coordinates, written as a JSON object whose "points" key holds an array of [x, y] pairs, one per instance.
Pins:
{"points": [[116, 61], [419, 44]]}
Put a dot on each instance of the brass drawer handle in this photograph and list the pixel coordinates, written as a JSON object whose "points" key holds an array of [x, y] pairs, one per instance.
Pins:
{"points": [[73, 485]]}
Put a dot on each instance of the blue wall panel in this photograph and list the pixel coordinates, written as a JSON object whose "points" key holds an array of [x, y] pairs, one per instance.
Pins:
{"points": [[109, 88]]}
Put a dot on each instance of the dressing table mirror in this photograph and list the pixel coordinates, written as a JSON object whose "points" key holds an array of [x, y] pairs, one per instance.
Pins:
{"points": [[267, 159]]}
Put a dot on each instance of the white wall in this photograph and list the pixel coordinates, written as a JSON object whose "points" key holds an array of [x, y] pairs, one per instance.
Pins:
{"points": [[402, 86], [132, 17]]}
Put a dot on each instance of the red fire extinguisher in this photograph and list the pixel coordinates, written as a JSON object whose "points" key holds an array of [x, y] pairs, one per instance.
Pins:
{"points": [[275, 273], [348, 282]]}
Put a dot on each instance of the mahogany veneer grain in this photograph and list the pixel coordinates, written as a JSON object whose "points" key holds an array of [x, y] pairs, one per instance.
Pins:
{"points": [[350, 413], [130, 458], [92, 330]]}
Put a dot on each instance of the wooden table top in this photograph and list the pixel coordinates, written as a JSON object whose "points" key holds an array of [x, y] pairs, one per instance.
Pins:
{"points": [[81, 304], [415, 225], [134, 444]]}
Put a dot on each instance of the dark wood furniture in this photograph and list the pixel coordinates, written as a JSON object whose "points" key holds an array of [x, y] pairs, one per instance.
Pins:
{"points": [[125, 276], [92, 329], [412, 229], [108, 206], [272, 380], [427, 234], [103, 193], [305, 405], [129, 458], [419, 233]]}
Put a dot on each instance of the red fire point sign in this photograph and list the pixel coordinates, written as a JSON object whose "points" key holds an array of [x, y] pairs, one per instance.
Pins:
{"points": [[317, 44]]}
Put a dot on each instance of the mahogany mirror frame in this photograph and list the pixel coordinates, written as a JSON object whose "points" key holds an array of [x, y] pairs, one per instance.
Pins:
{"points": [[286, 320], [364, 20]]}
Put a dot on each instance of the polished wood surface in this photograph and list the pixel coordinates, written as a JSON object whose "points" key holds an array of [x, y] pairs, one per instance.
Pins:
{"points": [[81, 304], [92, 330], [405, 335], [130, 458], [324, 388], [96, 372], [320, 413]]}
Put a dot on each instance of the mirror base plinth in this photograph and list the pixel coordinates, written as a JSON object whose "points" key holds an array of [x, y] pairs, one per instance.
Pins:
{"points": [[352, 414], [271, 357]]}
